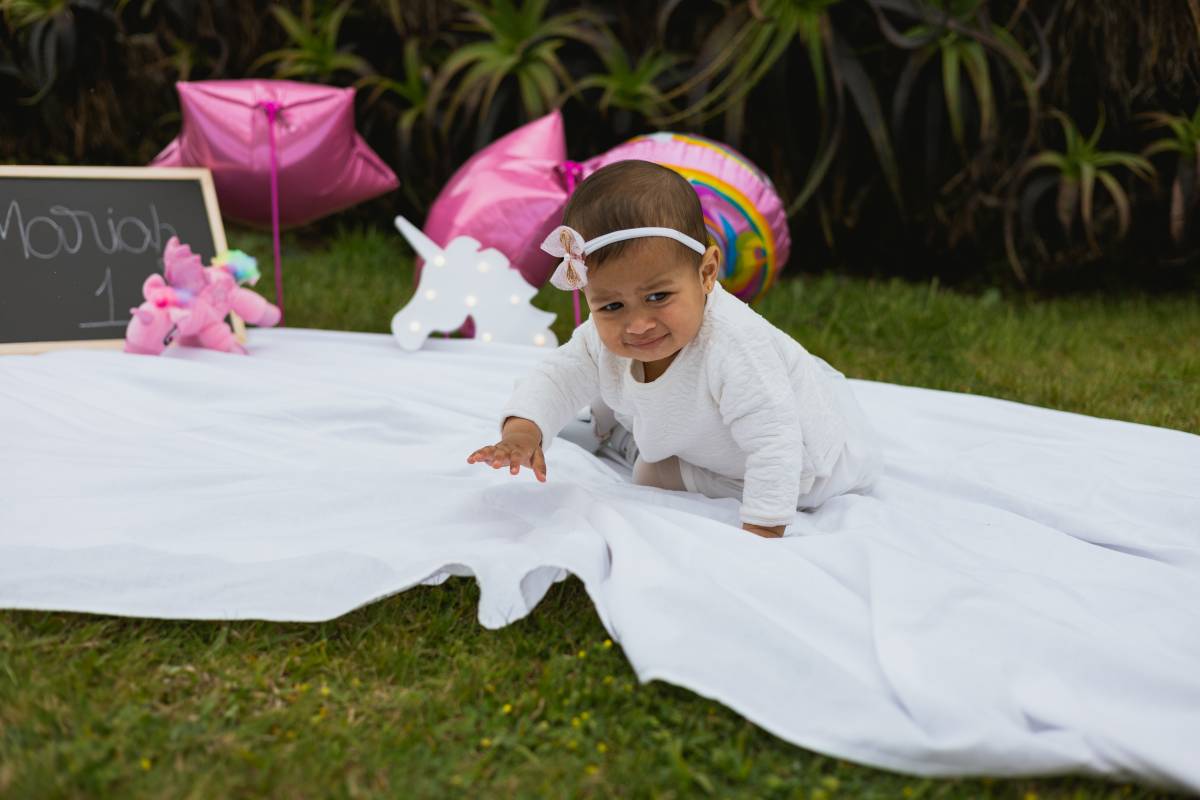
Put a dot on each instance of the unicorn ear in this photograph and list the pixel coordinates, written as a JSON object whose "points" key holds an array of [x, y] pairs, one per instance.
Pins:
{"points": [[183, 268], [426, 248], [155, 281]]}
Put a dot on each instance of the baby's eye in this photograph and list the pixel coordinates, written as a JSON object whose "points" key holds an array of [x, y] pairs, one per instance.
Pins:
{"points": [[656, 297]]}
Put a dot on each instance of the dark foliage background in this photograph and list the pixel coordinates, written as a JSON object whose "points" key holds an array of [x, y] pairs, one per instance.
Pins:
{"points": [[1050, 144]]}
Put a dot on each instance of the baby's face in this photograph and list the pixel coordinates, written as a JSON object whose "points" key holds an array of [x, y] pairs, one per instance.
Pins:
{"points": [[649, 301]]}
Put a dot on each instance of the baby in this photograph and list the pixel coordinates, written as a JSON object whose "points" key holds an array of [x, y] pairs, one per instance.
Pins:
{"points": [[719, 401]]}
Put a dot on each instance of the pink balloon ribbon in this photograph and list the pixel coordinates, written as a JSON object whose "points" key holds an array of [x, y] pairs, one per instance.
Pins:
{"points": [[272, 108], [572, 171]]}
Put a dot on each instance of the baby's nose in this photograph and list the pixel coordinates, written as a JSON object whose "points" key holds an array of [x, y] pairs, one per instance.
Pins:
{"points": [[640, 326]]}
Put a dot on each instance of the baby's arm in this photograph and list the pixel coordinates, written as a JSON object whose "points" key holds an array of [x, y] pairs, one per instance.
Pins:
{"points": [[765, 531], [755, 396], [520, 444], [543, 402]]}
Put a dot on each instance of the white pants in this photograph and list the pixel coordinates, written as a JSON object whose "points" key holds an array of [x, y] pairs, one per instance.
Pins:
{"points": [[855, 470]]}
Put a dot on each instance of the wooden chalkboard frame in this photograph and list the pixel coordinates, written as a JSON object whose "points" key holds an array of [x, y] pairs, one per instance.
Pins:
{"points": [[211, 208]]}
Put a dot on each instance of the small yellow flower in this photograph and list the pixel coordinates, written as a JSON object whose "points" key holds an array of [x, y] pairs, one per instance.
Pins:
{"points": [[485, 742], [355, 682], [819, 794], [585, 716], [591, 769], [608, 644], [506, 709], [601, 747], [303, 687], [575, 722], [609, 680], [908, 791], [145, 762], [830, 783], [582, 654], [572, 744], [324, 690], [1031, 796]]}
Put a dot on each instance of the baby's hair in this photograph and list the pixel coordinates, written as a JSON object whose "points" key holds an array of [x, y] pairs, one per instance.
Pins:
{"points": [[634, 194]]}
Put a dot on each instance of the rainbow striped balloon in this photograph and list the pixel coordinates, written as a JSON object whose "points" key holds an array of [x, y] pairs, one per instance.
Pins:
{"points": [[742, 211]]}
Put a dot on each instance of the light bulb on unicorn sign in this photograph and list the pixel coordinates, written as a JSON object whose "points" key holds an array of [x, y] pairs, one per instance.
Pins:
{"points": [[463, 281]]}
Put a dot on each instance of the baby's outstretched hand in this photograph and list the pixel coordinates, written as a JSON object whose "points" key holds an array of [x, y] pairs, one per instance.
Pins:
{"points": [[520, 445]]}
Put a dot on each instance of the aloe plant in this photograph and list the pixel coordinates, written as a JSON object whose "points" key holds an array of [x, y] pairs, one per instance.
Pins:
{"points": [[520, 43], [741, 50], [26, 13], [412, 89], [1078, 168], [315, 52], [1185, 141], [632, 87], [963, 40], [50, 29]]}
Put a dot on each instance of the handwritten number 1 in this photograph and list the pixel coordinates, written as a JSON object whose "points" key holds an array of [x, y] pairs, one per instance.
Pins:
{"points": [[112, 321], [107, 285]]}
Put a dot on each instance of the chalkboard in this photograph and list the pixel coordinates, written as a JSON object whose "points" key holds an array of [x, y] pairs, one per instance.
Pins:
{"points": [[76, 244]]}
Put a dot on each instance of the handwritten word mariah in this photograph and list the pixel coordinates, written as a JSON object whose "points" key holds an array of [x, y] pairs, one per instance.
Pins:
{"points": [[44, 237]]}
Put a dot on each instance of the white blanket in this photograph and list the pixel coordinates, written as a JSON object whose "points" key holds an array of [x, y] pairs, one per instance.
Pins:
{"points": [[1021, 595]]}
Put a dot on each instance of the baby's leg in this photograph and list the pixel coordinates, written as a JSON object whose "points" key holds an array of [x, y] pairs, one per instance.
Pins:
{"points": [[861, 461], [708, 483], [662, 474], [586, 428], [603, 419], [579, 431], [596, 427]]}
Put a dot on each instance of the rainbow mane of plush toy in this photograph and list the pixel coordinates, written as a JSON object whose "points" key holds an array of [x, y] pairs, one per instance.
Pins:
{"points": [[243, 267]]}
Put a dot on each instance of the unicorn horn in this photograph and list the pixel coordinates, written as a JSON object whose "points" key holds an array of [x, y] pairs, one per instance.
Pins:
{"points": [[424, 246]]}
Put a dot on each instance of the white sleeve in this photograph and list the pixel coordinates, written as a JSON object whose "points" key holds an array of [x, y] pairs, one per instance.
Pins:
{"points": [[559, 386], [753, 390]]}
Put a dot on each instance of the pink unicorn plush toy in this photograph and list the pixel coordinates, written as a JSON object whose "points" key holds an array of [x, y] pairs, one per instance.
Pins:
{"points": [[192, 302]]}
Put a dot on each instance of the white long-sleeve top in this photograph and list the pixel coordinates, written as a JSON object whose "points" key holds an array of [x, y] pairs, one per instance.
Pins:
{"points": [[742, 399]]}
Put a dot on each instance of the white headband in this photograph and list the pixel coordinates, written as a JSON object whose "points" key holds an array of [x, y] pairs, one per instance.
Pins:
{"points": [[567, 243]]}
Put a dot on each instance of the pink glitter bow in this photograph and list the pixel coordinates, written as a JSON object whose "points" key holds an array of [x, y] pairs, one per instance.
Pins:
{"points": [[567, 244]]}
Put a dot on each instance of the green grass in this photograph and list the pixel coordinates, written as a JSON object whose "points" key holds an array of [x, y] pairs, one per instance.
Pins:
{"points": [[409, 696]]}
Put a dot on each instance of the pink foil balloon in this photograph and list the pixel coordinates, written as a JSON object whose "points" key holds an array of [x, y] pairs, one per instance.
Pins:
{"points": [[508, 196], [281, 153], [323, 164], [511, 194], [743, 213]]}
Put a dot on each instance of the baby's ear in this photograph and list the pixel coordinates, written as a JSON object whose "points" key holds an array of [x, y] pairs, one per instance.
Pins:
{"points": [[710, 266]]}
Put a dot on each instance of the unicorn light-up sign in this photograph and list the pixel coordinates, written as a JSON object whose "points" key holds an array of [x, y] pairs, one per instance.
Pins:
{"points": [[464, 281]]}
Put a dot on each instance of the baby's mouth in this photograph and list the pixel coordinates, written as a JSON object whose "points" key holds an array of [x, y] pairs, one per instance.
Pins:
{"points": [[648, 342]]}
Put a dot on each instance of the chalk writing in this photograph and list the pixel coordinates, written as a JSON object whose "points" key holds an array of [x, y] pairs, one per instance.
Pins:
{"points": [[111, 321], [65, 230]]}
